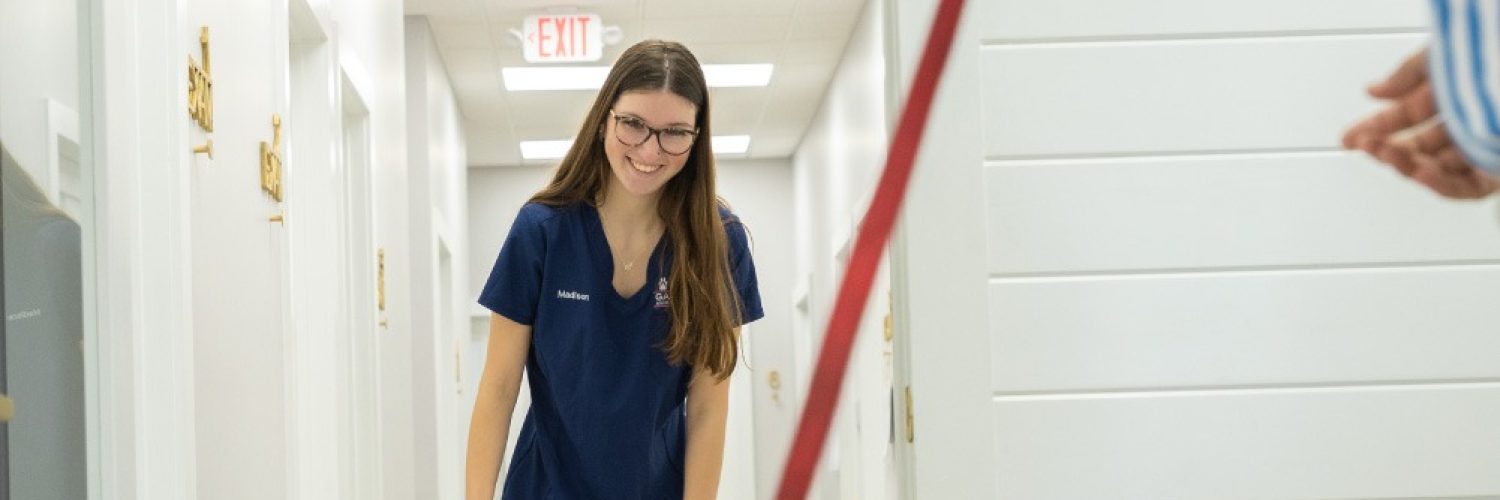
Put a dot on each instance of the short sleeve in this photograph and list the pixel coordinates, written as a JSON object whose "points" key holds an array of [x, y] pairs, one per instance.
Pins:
{"points": [[515, 283], [742, 266]]}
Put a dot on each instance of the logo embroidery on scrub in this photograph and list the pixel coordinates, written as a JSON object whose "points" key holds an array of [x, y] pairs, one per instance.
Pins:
{"points": [[662, 300], [572, 295]]}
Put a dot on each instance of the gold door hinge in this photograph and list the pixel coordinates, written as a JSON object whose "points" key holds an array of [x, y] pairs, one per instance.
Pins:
{"points": [[909, 420], [7, 408]]}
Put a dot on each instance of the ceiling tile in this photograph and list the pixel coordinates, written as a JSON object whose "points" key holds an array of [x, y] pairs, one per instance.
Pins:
{"points": [[461, 34], [770, 29], [850, 8], [452, 8], [723, 9], [822, 27]]}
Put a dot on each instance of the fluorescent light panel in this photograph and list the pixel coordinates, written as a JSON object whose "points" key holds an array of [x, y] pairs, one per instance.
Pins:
{"points": [[731, 144], [522, 78], [552, 150], [545, 150]]}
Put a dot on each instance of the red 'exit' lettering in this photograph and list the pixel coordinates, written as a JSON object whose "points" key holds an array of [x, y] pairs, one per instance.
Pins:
{"points": [[562, 36]]}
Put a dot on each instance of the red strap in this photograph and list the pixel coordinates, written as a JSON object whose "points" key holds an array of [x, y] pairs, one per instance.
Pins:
{"points": [[874, 231]]}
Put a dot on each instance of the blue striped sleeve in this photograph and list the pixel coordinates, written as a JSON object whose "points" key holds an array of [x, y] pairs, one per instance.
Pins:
{"points": [[1464, 63]]}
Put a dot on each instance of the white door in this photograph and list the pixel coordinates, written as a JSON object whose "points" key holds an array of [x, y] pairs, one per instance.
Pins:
{"points": [[238, 251], [360, 449]]}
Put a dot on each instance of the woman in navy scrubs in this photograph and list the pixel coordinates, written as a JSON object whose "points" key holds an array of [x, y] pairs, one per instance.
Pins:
{"points": [[620, 289]]}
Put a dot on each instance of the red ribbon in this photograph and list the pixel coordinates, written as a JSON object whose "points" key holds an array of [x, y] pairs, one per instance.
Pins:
{"points": [[874, 231]]}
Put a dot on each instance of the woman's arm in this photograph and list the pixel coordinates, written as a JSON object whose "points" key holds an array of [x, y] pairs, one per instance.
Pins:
{"points": [[498, 386], [707, 410]]}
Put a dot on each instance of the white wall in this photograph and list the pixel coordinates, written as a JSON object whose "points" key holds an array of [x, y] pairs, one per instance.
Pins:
{"points": [[836, 167], [439, 243], [155, 389], [46, 69], [1191, 292], [759, 193]]}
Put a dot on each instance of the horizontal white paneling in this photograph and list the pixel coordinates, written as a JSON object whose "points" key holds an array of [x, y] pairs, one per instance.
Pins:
{"points": [[1008, 20], [1245, 329], [1175, 96], [1374, 442], [1303, 209]]}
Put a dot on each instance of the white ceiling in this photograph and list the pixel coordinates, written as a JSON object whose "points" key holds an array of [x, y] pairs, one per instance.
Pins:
{"points": [[803, 38]]}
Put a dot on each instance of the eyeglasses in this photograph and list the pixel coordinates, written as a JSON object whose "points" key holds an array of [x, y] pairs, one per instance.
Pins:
{"points": [[631, 131]]}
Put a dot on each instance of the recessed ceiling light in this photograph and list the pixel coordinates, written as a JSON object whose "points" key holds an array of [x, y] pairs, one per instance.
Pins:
{"points": [[738, 75], [545, 150], [554, 78], [521, 78], [731, 144], [552, 150]]}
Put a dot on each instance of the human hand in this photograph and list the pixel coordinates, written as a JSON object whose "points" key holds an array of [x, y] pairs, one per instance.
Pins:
{"points": [[1411, 102], [1429, 157]]}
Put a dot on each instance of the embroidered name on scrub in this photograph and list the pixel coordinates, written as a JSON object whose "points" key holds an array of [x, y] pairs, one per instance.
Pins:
{"points": [[662, 300], [572, 295]]}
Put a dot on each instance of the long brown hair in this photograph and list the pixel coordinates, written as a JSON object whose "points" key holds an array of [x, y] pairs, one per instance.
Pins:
{"points": [[704, 306]]}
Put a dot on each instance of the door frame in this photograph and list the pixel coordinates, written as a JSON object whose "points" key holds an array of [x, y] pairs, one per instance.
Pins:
{"points": [[309, 82], [940, 311], [365, 476], [141, 443]]}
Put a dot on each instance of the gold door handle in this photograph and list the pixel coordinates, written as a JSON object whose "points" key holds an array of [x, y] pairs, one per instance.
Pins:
{"points": [[279, 218], [206, 148], [7, 408]]}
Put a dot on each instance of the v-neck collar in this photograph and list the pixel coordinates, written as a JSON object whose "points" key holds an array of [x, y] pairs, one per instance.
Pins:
{"points": [[605, 259]]}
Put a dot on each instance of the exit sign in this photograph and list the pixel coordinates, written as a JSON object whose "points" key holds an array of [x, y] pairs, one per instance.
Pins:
{"points": [[562, 38]]}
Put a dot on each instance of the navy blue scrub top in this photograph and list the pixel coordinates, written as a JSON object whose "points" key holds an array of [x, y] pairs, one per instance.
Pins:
{"points": [[607, 415]]}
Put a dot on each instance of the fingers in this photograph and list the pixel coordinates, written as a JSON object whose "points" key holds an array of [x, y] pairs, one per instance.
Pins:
{"points": [[1429, 141], [1411, 73], [1402, 157], [1432, 139], [1453, 161], [1410, 110], [1413, 108], [1431, 173], [1449, 174]]}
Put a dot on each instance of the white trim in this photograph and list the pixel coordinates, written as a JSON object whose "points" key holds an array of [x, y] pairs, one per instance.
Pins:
{"points": [[62, 123], [143, 284], [940, 302], [311, 123], [89, 32], [357, 78]]}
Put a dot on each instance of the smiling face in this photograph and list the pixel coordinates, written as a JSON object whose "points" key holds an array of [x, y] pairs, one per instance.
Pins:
{"points": [[643, 169]]}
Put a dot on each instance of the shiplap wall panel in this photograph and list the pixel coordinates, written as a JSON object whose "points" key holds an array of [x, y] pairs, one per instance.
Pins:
{"points": [[1304, 209], [1151, 97], [1324, 327], [1193, 294], [1009, 20], [1375, 442]]}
